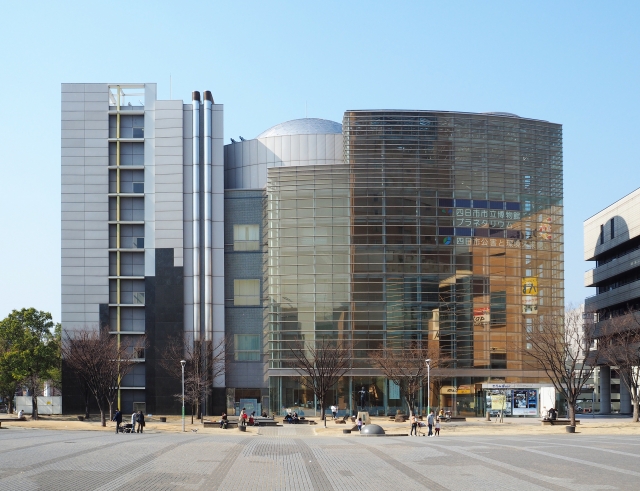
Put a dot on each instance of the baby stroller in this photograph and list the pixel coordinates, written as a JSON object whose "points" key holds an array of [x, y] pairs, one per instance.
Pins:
{"points": [[128, 428]]}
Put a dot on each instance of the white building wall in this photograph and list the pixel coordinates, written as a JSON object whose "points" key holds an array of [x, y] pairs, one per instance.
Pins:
{"points": [[187, 214], [217, 242], [168, 197], [85, 205], [247, 162]]}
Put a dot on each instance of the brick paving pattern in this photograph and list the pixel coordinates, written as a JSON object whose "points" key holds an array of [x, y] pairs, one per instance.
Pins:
{"points": [[294, 458]]}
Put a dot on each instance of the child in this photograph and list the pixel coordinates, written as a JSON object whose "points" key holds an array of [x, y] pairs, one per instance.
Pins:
{"points": [[359, 423], [438, 426]]}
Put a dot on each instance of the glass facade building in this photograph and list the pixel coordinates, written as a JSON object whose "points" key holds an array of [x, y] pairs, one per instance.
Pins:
{"points": [[390, 229], [440, 227]]}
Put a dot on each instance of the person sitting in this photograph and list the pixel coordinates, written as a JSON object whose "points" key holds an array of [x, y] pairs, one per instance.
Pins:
{"points": [[264, 414], [20, 414], [252, 420], [295, 420], [288, 418], [224, 421]]}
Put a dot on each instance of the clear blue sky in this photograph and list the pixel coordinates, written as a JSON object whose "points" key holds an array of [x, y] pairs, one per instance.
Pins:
{"points": [[574, 63]]}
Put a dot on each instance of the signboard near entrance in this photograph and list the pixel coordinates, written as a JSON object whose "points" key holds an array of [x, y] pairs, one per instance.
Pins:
{"points": [[525, 402]]}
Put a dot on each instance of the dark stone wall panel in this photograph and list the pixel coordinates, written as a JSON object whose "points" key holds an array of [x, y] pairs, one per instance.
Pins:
{"points": [[164, 323]]}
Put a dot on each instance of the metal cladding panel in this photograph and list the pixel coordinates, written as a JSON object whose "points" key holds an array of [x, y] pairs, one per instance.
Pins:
{"points": [[262, 152], [270, 145], [84, 240], [621, 295]]}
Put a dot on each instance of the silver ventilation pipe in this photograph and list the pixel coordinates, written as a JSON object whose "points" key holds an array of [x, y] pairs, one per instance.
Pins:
{"points": [[208, 282], [196, 215]]}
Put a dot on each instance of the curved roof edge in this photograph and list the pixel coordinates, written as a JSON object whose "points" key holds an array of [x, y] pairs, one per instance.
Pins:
{"points": [[493, 114], [304, 126]]}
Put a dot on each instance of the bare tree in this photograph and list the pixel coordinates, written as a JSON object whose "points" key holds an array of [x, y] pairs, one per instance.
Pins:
{"points": [[100, 361], [558, 344], [320, 364], [406, 366], [205, 361], [619, 341]]}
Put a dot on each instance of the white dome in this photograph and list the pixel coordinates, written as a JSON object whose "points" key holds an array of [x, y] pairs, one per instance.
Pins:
{"points": [[305, 126]]}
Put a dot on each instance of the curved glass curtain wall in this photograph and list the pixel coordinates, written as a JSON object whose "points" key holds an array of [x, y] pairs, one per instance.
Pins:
{"points": [[428, 232]]}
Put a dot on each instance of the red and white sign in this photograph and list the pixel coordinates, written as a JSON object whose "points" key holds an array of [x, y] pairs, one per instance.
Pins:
{"points": [[481, 315]]}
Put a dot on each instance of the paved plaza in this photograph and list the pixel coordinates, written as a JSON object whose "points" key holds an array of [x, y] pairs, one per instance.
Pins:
{"points": [[295, 458]]}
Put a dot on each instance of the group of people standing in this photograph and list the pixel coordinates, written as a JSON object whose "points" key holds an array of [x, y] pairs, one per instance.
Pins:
{"points": [[137, 421], [433, 423]]}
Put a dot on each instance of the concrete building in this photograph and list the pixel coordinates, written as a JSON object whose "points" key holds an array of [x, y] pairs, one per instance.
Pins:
{"points": [[395, 226], [612, 241]]}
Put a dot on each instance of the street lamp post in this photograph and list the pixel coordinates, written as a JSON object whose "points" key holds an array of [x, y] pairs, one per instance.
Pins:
{"points": [[428, 362], [183, 363]]}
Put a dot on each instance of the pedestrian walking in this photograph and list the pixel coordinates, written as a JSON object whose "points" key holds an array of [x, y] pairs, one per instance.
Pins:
{"points": [[134, 419], [243, 417], [359, 424], [414, 424], [438, 426], [140, 421], [117, 417], [430, 423], [334, 411]]}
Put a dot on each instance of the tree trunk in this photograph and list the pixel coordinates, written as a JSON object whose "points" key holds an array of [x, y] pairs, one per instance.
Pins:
{"points": [[572, 413], [34, 405], [86, 405], [322, 415], [406, 399], [103, 419]]}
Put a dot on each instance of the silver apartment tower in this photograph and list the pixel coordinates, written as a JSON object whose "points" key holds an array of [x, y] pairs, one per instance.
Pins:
{"points": [[142, 226]]}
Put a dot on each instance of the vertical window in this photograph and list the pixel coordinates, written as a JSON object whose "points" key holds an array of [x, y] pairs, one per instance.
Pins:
{"points": [[247, 347], [601, 234], [246, 237], [246, 292], [613, 230], [498, 308]]}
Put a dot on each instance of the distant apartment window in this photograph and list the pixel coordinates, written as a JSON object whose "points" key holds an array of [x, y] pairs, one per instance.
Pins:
{"points": [[138, 132], [138, 242], [246, 292], [139, 353], [246, 237], [138, 298], [613, 230], [138, 187], [247, 347], [498, 308], [601, 234]]}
